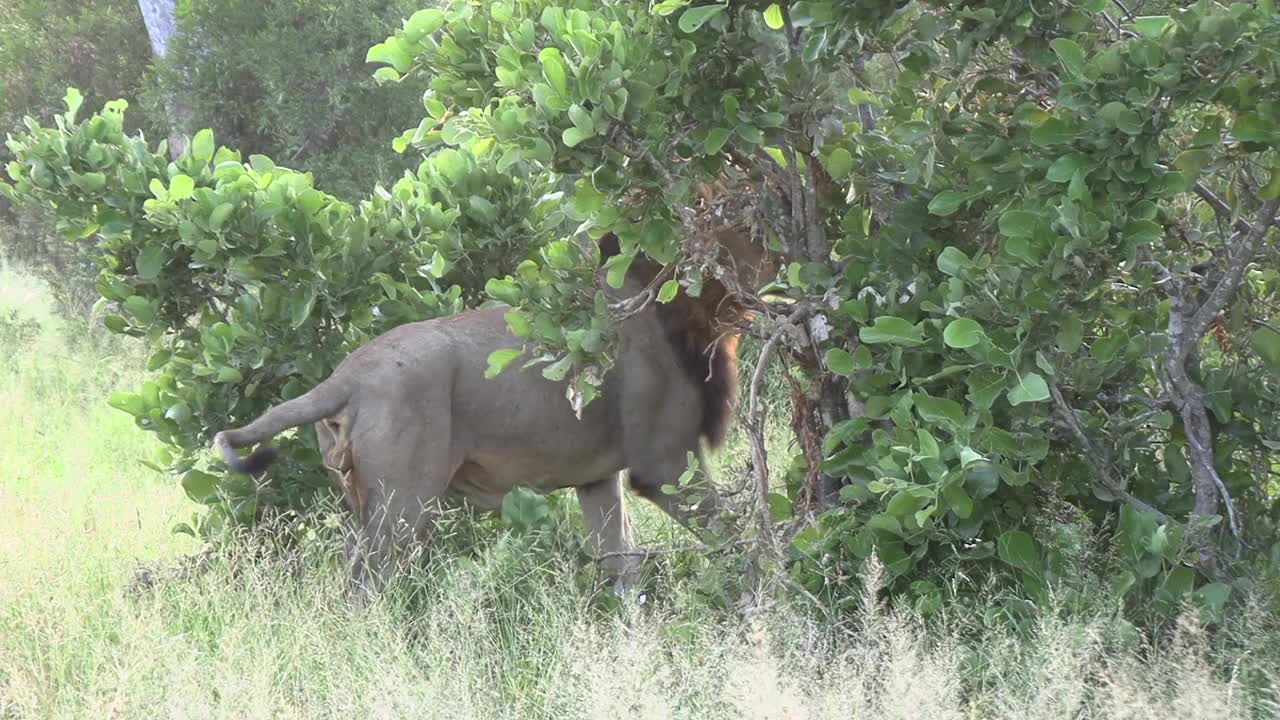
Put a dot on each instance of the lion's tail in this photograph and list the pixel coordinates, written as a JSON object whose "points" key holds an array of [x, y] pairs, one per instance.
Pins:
{"points": [[322, 401]]}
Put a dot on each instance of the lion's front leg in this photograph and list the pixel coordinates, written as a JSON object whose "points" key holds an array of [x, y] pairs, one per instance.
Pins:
{"points": [[605, 511]]}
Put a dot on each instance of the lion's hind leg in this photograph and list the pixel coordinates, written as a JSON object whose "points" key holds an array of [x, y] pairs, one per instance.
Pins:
{"points": [[397, 481]]}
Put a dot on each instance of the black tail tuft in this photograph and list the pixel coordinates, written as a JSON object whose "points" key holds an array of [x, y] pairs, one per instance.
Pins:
{"points": [[255, 462]]}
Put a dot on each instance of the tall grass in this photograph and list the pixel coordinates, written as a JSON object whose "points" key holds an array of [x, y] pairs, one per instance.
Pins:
{"points": [[509, 627]]}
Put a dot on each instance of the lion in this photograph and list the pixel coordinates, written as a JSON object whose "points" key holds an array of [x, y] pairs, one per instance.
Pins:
{"points": [[409, 419]]}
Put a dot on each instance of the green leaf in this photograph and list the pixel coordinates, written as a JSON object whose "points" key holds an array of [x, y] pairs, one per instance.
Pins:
{"points": [[1030, 388], [1052, 132], [179, 412], [947, 203], [928, 444], [391, 53], [1143, 232], [553, 70], [150, 262], [939, 411], [1266, 343], [1129, 121], [140, 309], [981, 480], [73, 100], [958, 500], [696, 17], [668, 291], [228, 374], [1070, 334], [891, 330], [310, 201], [962, 333], [1271, 190], [422, 23], [500, 359], [300, 307], [750, 133], [439, 266], [219, 216], [773, 17], [984, 387], [1192, 161], [571, 137], [616, 269], [716, 139], [199, 486], [581, 119], [91, 181], [1018, 549], [131, 403], [858, 96], [1253, 127], [952, 261], [181, 187], [202, 145], [1018, 223], [517, 323], [1071, 55], [839, 163], [1212, 598], [1151, 25], [1064, 168], [780, 507], [503, 290], [839, 361]]}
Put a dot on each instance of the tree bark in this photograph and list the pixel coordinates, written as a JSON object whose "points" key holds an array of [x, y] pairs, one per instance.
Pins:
{"points": [[1187, 325], [161, 20]]}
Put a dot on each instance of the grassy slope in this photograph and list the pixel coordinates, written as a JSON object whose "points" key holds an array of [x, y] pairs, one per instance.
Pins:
{"points": [[497, 632]]}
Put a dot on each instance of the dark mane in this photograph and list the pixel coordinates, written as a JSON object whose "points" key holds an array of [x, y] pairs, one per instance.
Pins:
{"points": [[707, 354]]}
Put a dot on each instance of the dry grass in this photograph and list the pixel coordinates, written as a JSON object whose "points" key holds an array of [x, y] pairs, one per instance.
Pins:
{"points": [[501, 632]]}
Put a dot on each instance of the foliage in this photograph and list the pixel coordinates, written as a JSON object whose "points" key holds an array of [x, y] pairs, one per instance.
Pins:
{"points": [[45, 45], [229, 269], [100, 47], [285, 78], [1008, 227]]}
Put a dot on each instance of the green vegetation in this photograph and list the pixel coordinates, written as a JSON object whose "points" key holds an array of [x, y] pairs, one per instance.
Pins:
{"points": [[1021, 369], [102, 614]]}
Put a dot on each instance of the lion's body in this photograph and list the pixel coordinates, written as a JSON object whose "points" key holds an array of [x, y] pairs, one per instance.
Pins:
{"points": [[409, 418]]}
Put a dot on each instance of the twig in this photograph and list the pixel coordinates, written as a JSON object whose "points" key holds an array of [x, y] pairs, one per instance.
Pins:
{"points": [[1240, 251], [1102, 473], [755, 424]]}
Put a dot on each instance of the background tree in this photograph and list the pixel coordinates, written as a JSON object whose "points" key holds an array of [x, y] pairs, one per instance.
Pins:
{"points": [[161, 22], [287, 79]]}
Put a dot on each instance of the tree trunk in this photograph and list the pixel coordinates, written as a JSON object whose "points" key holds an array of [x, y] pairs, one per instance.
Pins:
{"points": [[161, 22]]}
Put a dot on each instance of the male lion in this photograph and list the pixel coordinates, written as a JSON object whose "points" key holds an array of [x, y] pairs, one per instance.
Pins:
{"points": [[409, 418]]}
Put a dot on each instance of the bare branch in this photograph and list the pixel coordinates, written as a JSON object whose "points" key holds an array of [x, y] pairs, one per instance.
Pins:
{"points": [[755, 422]]}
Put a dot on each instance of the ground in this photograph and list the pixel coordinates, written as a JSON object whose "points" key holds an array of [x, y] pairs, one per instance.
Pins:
{"points": [[97, 620]]}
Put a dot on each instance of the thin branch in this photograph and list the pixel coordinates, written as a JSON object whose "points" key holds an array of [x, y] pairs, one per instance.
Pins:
{"points": [[1101, 471], [755, 423], [1240, 251]]}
